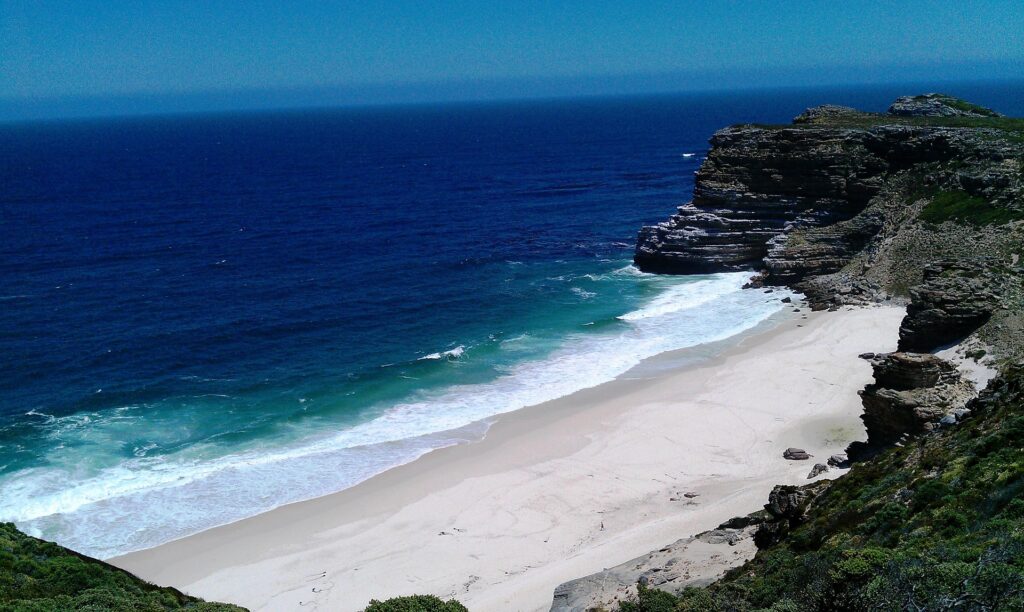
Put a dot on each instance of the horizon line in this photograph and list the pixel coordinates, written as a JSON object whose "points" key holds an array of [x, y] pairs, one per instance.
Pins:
{"points": [[9, 115]]}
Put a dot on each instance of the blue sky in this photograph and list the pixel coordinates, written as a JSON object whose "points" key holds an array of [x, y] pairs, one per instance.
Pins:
{"points": [[59, 56]]}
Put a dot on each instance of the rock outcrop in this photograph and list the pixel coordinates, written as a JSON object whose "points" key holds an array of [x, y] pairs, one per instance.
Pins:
{"points": [[795, 454], [818, 250], [910, 396], [787, 199], [825, 112], [695, 561], [788, 506], [755, 184], [955, 299], [817, 470], [937, 105]]}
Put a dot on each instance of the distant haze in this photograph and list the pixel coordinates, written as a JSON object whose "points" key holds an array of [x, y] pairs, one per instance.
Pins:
{"points": [[60, 59]]}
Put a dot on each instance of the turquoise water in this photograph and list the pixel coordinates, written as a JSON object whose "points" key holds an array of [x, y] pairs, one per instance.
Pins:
{"points": [[337, 437]]}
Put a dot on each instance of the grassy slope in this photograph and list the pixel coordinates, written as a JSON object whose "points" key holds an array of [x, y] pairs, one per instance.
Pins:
{"points": [[40, 576], [962, 207]]}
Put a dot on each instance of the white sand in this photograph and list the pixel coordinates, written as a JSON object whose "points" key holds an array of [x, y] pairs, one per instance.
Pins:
{"points": [[556, 491]]}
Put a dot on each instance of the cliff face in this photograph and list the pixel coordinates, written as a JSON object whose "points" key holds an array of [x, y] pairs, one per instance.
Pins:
{"points": [[755, 184], [791, 200]]}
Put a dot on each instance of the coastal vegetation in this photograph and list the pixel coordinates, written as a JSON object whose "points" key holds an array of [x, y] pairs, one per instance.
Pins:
{"points": [[958, 104], [959, 114], [415, 603], [39, 576], [961, 206]]}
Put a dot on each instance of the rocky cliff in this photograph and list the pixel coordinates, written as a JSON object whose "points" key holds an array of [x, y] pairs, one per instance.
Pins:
{"points": [[803, 200], [922, 204], [756, 184]]}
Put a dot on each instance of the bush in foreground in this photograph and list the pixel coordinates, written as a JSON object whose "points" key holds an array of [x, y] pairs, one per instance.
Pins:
{"points": [[40, 576], [415, 603]]}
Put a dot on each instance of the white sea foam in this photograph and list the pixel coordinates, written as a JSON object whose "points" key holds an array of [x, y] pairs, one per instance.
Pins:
{"points": [[451, 354], [683, 297], [170, 496]]}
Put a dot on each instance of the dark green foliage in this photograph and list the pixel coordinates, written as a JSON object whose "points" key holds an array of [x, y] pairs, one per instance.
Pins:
{"points": [[960, 206], [39, 576], [975, 354], [415, 603], [937, 524], [650, 600]]}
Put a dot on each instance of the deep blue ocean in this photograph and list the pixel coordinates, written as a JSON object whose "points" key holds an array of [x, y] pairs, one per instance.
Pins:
{"points": [[205, 317]]}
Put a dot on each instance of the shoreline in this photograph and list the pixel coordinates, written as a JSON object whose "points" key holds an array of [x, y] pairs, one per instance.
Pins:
{"points": [[647, 369], [558, 490]]}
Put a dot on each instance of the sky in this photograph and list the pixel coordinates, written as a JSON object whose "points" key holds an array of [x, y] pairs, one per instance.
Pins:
{"points": [[81, 57]]}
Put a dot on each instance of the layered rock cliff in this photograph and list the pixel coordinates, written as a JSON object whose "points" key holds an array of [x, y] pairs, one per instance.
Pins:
{"points": [[756, 184], [802, 200]]}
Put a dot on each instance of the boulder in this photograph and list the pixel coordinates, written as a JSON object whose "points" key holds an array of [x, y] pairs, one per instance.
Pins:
{"points": [[795, 454], [839, 461], [817, 470], [742, 522], [788, 501], [787, 506]]}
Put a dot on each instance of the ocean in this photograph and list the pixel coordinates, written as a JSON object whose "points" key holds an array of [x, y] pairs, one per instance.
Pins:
{"points": [[204, 317]]}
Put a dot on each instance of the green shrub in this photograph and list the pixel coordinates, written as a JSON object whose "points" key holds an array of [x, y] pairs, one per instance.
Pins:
{"points": [[929, 493], [39, 576], [963, 207], [415, 603], [650, 600]]}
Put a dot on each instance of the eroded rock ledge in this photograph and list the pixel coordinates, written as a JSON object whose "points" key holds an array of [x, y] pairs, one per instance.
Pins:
{"points": [[911, 395], [695, 561], [955, 299], [794, 201], [755, 184]]}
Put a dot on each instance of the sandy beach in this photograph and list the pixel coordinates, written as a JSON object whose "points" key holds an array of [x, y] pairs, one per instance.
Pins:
{"points": [[559, 490]]}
